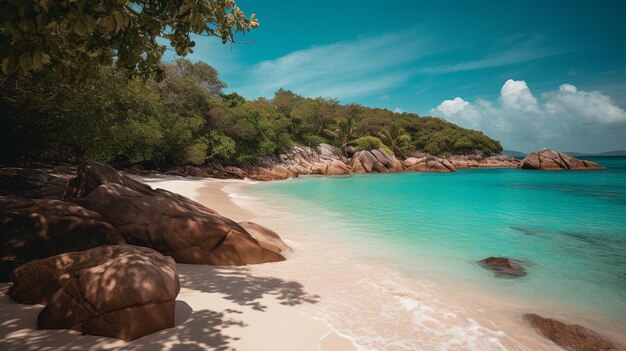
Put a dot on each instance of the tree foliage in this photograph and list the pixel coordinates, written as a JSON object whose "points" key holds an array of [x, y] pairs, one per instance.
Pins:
{"points": [[187, 119], [75, 35]]}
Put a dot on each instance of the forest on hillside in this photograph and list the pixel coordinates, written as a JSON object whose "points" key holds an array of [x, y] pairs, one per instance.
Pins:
{"points": [[185, 118]]}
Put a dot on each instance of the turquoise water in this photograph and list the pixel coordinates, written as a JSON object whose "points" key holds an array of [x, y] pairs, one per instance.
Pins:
{"points": [[570, 227]]}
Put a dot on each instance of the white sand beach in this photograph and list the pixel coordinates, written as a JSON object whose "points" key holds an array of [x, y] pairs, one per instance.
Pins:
{"points": [[325, 296]]}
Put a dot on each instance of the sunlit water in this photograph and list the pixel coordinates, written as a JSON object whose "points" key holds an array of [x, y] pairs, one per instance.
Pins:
{"points": [[570, 228]]}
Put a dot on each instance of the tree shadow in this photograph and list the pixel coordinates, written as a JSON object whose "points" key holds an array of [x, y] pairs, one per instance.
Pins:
{"points": [[194, 330], [238, 285]]}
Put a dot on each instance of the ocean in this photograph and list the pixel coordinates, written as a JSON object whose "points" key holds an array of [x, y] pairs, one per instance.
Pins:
{"points": [[568, 227]]}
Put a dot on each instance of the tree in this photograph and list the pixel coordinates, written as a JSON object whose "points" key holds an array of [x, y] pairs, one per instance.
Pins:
{"points": [[344, 132], [199, 72], [396, 139], [369, 142], [77, 34]]}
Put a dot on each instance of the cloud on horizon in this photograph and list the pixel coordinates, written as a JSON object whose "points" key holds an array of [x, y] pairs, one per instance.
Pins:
{"points": [[555, 119]]}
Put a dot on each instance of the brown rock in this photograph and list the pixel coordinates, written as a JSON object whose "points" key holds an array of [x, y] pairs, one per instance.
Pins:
{"points": [[428, 164], [267, 238], [277, 172], [34, 229], [570, 336], [551, 160], [504, 267], [32, 183], [336, 167], [169, 223], [479, 161], [120, 291]]}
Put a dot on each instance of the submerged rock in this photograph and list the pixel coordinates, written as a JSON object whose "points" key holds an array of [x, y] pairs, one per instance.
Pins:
{"points": [[503, 267], [551, 160], [167, 222], [570, 336], [119, 291], [32, 229]]}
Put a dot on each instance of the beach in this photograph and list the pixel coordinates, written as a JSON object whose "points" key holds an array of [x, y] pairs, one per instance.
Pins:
{"points": [[328, 295]]}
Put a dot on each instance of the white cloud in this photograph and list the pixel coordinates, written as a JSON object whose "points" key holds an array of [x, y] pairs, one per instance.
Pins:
{"points": [[568, 117], [350, 69], [397, 110], [516, 95]]}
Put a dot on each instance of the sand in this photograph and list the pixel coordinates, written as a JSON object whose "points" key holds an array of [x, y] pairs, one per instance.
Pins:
{"points": [[326, 296]]}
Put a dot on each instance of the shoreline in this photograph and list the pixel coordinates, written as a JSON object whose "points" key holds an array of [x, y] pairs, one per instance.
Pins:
{"points": [[491, 310]]}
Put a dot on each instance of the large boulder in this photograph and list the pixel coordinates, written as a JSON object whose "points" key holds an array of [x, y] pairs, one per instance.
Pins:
{"points": [[375, 161], [32, 183], [276, 172], [335, 167], [119, 291], [570, 336], [32, 229], [265, 236], [428, 164], [551, 160], [169, 223]]}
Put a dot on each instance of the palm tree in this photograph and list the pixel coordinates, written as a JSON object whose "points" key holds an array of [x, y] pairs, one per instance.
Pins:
{"points": [[344, 132], [396, 138]]}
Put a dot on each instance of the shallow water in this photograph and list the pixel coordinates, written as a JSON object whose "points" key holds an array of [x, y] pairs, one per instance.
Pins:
{"points": [[569, 228]]}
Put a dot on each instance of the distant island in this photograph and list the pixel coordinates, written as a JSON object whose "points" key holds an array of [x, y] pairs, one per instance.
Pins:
{"points": [[615, 153], [513, 153]]}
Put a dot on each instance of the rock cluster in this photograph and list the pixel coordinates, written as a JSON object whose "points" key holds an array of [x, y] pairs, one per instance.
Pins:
{"points": [[169, 223], [94, 248], [551, 160], [306, 161]]}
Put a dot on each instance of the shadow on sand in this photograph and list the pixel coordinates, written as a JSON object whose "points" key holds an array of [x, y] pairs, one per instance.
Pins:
{"points": [[194, 330]]}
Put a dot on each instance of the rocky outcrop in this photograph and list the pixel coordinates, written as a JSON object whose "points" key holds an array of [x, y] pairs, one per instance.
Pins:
{"points": [[428, 164], [265, 236], [301, 160], [32, 183], [32, 229], [570, 336], [375, 161], [479, 161], [503, 267], [551, 160], [119, 291], [169, 223]]}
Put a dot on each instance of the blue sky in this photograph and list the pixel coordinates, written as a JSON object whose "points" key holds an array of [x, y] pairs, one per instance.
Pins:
{"points": [[532, 74]]}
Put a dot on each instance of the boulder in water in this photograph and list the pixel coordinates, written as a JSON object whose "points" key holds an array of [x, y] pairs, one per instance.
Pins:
{"points": [[504, 267]]}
